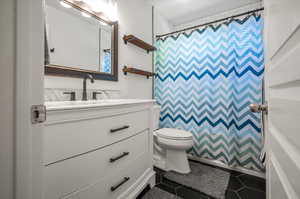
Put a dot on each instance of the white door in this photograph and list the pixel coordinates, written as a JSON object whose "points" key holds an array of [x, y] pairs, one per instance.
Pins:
{"points": [[282, 36], [29, 91]]}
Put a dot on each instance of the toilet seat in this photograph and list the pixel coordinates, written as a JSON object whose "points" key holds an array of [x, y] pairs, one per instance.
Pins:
{"points": [[174, 134]]}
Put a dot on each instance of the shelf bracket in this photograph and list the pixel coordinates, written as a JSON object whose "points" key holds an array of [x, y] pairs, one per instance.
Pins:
{"points": [[138, 72]]}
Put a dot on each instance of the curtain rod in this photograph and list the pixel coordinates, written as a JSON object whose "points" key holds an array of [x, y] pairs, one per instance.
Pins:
{"points": [[209, 23]]}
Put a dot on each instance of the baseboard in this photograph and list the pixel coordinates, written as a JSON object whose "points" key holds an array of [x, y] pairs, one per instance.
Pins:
{"points": [[222, 165], [148, 178]]}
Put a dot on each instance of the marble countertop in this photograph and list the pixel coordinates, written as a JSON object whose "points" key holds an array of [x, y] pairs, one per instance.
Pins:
{"points": [[67, 105]]}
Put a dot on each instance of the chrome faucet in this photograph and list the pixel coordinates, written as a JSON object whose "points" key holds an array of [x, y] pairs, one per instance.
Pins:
{"points": [[84, 93]]}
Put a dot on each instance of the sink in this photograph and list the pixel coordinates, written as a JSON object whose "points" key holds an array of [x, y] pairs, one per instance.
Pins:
{"points": [[61, 105]]}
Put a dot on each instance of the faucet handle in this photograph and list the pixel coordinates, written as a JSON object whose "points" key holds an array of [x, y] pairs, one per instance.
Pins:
{"points": [[72, 95], [95, 93]]}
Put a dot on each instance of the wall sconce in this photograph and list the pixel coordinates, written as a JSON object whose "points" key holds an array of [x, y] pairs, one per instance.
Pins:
{"points": [[108, 9]]}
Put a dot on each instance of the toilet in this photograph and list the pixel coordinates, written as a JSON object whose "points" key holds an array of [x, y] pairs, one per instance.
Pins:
{"points": [[170, 146]]}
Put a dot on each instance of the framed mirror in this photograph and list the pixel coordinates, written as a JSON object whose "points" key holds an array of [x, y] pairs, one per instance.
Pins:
{"points": [[79, 41]]}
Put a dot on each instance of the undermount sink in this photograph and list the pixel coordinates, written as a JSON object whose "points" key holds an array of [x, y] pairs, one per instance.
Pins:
{"points": [[58, 105]]}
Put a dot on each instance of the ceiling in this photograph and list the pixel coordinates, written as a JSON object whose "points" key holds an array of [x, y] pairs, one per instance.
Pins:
{"points": [[184, 11]]}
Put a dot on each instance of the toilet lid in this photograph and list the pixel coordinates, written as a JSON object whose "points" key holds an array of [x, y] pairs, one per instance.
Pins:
{"points": [[175, 134]]}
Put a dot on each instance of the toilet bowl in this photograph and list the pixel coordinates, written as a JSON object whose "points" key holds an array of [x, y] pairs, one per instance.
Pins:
{"points": [[170, 146]]}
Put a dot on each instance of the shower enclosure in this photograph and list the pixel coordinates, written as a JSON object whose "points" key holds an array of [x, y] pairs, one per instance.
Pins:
{"points": [[206, 79]]}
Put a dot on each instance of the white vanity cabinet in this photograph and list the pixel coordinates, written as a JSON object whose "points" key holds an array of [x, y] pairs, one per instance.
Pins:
{"points": [[102, 151]]}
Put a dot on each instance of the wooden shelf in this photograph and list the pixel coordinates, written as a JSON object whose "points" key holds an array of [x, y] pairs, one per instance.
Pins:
{"points": [[138, 42], [137, 71]]}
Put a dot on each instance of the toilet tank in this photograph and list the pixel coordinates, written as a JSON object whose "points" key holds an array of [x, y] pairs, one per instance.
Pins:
{"points": [[156, 114]]}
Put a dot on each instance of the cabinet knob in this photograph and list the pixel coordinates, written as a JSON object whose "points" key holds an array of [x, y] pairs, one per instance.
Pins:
{"points": [[119, 157], [119, 129], [115, 187]]}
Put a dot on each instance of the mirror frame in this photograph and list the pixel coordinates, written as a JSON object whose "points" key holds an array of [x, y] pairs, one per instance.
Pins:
{"points": [[68, 71]]}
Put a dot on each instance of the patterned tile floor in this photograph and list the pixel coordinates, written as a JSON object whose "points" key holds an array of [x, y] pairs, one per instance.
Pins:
{"points": [[241, 186]]}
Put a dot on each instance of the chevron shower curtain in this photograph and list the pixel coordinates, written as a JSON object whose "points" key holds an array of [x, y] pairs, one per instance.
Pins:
{"points": [[106, 63], [206, 78]]}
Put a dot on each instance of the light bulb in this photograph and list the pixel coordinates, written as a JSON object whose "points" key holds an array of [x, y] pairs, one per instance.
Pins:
{"points": [[64, 4], [112, 12]]}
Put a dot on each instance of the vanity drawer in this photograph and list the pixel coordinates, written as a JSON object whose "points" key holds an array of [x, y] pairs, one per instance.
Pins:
{"points": [[67, 139], [115, 185], [65, 177]]}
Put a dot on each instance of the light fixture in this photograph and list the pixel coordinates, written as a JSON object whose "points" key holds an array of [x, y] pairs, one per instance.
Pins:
{"points": [[85, 14], [64, 4], [96, 5], [112, 11], [106, 7]]}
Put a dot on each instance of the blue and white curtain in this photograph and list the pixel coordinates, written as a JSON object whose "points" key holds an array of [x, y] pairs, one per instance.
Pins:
{"points": [[206, 79], [106, 62]]}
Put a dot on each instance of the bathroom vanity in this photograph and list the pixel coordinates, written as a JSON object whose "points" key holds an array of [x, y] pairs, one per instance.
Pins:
{"points": [[98, 149]]}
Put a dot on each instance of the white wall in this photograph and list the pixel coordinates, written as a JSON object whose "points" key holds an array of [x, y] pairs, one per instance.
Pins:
{"points": [[161, 24], [7, 64], [218, 16], [135, 17]]}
